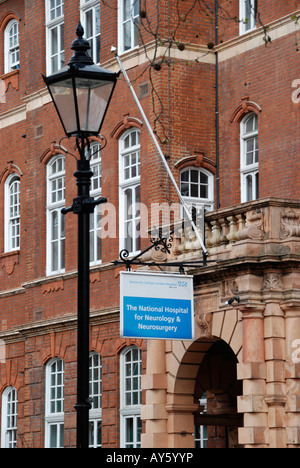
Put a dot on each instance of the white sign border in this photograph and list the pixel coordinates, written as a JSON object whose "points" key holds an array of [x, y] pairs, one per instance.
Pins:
{"points": [[156, 274]]}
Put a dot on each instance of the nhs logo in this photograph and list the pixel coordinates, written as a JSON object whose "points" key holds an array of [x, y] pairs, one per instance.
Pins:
{"points": [[182, 284]]}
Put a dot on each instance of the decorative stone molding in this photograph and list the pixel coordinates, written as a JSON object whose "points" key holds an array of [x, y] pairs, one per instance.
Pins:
{"points": [[276, 400], [12, 374], [53, 286], [124, 124], [245, 108], [229, 288], [204, 322], [253, 227], [272, 281], [198, 159], [11, 168], [52, 151], [6, 18], [8, 261], [95, 277], [121, 343], [289, 224], [182, 408], [11, 78]]}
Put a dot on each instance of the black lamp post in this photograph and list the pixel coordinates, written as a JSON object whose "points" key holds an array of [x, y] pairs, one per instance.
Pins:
{"points": [[81, 93]]}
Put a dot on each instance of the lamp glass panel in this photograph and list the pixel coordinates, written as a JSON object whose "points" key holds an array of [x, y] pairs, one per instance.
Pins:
{"points": [[63, 97], [92, 98]]}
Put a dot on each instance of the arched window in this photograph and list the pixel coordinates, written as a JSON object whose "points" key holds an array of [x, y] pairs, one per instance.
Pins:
{"points": [[95, 217], [54, 410], [55, 219], [12, 213], [95, 393], [9, 418], [130, 397], [11, 46], [249, 158], [129, 176], [196, 187]]}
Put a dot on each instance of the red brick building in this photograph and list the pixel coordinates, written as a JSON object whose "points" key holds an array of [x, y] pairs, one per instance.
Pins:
{"points": [[220, 84]]}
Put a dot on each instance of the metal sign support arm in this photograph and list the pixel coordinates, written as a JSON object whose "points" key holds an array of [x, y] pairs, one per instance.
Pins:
{"points": [[113, 50]]}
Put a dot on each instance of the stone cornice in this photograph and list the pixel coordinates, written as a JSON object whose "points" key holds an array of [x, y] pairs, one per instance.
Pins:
{"points": [[58, 324], [48, 280], [13, 116], [253, 39], [193, 52]]}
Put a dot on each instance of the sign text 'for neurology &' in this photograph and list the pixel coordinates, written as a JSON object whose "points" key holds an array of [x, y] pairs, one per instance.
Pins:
{"points": [[156, 306]]}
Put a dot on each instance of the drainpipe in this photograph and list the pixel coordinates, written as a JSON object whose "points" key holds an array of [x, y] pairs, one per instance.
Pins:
{"points": [[217, 102]]}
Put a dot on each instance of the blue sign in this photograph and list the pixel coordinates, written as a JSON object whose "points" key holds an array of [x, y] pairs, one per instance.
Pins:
{"points": [[157, 306]]}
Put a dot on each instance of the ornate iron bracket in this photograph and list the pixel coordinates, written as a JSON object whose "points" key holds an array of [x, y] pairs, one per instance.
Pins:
{"points": [[83, 205], [163, 244]]}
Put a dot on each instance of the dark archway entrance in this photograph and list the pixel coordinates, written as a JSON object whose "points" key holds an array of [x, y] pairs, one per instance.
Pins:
{"points": [[216, 390]]}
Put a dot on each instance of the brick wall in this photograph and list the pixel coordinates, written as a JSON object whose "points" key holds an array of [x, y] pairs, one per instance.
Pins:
{"points": [[264, 75]]}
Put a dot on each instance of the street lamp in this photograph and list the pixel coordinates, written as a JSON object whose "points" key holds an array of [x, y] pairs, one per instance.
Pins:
{"points": [[81, 93]]}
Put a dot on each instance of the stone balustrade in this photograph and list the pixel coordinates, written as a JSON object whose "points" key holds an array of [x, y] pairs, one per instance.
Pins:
{"points": [[269, 226]]}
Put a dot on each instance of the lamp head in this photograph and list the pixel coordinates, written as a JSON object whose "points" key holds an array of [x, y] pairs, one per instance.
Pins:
{"points": [[81, 91]]}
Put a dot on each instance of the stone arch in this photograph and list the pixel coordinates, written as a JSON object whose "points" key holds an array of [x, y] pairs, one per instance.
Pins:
{"points": [[12, 374], [217, 374], [207, 366], [121, 344], [225, 325], [198, 159], [53, 150], [198, 366], [11, 168], [245, 108], [6, 18], [125, 124]]}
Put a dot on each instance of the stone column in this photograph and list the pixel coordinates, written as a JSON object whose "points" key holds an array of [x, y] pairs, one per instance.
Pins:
{"points": [[292, 373], [181, 422], [275, 382], [252, 371], [155, 385]]}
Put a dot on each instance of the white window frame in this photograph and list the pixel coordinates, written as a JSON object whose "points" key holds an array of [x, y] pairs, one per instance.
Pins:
{"points": [[200, 434], [129, 21], [54, 396], [247, 16], [9, 418], [95, 217], [198, 202], [54, 207], [12, 220], [248, 171], [130, 410], [54, 25], [92, 7], [129, 180], [95, 394], [11, 51]]}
